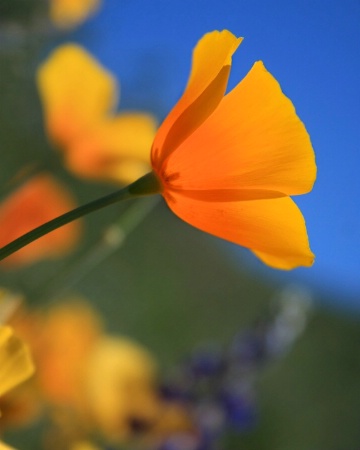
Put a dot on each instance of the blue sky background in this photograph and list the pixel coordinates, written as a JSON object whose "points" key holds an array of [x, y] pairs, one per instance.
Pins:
{"points": [[311, 47]]}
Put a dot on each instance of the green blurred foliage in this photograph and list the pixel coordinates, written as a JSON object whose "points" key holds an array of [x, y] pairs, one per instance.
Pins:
{"points": [[21, 12]]}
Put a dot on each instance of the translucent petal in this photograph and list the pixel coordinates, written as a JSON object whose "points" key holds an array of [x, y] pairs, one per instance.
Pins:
{"points": [[253, 140], [205, 89]]}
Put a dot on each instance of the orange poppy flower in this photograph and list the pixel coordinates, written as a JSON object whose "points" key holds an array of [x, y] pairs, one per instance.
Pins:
{"points": [[228, 163], [79, 98], [37, 201]]}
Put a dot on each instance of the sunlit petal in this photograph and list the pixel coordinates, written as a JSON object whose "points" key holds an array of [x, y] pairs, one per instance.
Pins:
{"points": [[253, 140], [274, 229], [231, 170], [206, 87]]}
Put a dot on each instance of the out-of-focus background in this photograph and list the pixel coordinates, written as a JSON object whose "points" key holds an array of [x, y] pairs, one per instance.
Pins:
{"points": [[170, 286]]}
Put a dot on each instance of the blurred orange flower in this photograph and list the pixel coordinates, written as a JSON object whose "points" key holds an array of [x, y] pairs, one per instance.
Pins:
{"points": [[37, 201], [107, 381], [228, 163], [94, 381], [67, 333], [68, 13], [79, 98]]}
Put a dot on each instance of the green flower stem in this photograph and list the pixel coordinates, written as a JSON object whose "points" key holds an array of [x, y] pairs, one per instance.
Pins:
{"points": [[146, 185]]}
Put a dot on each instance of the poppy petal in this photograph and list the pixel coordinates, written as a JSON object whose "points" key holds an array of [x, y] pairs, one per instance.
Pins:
{"points": [[230, 195], [75, 91], [205, 89], [274, 229], [253, 140]]}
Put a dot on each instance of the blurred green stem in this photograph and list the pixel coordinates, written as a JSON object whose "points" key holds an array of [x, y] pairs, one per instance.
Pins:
{"points": [[146, 185], [111, 240]]}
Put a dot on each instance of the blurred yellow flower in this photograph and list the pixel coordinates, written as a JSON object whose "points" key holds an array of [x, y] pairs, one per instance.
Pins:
{"points": [[90, 381], [119, 388], [79, 98], [68, 13], [22, 405], [16, 365], [5, 447], [228, 164], [83, 445], [15, 362]]}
